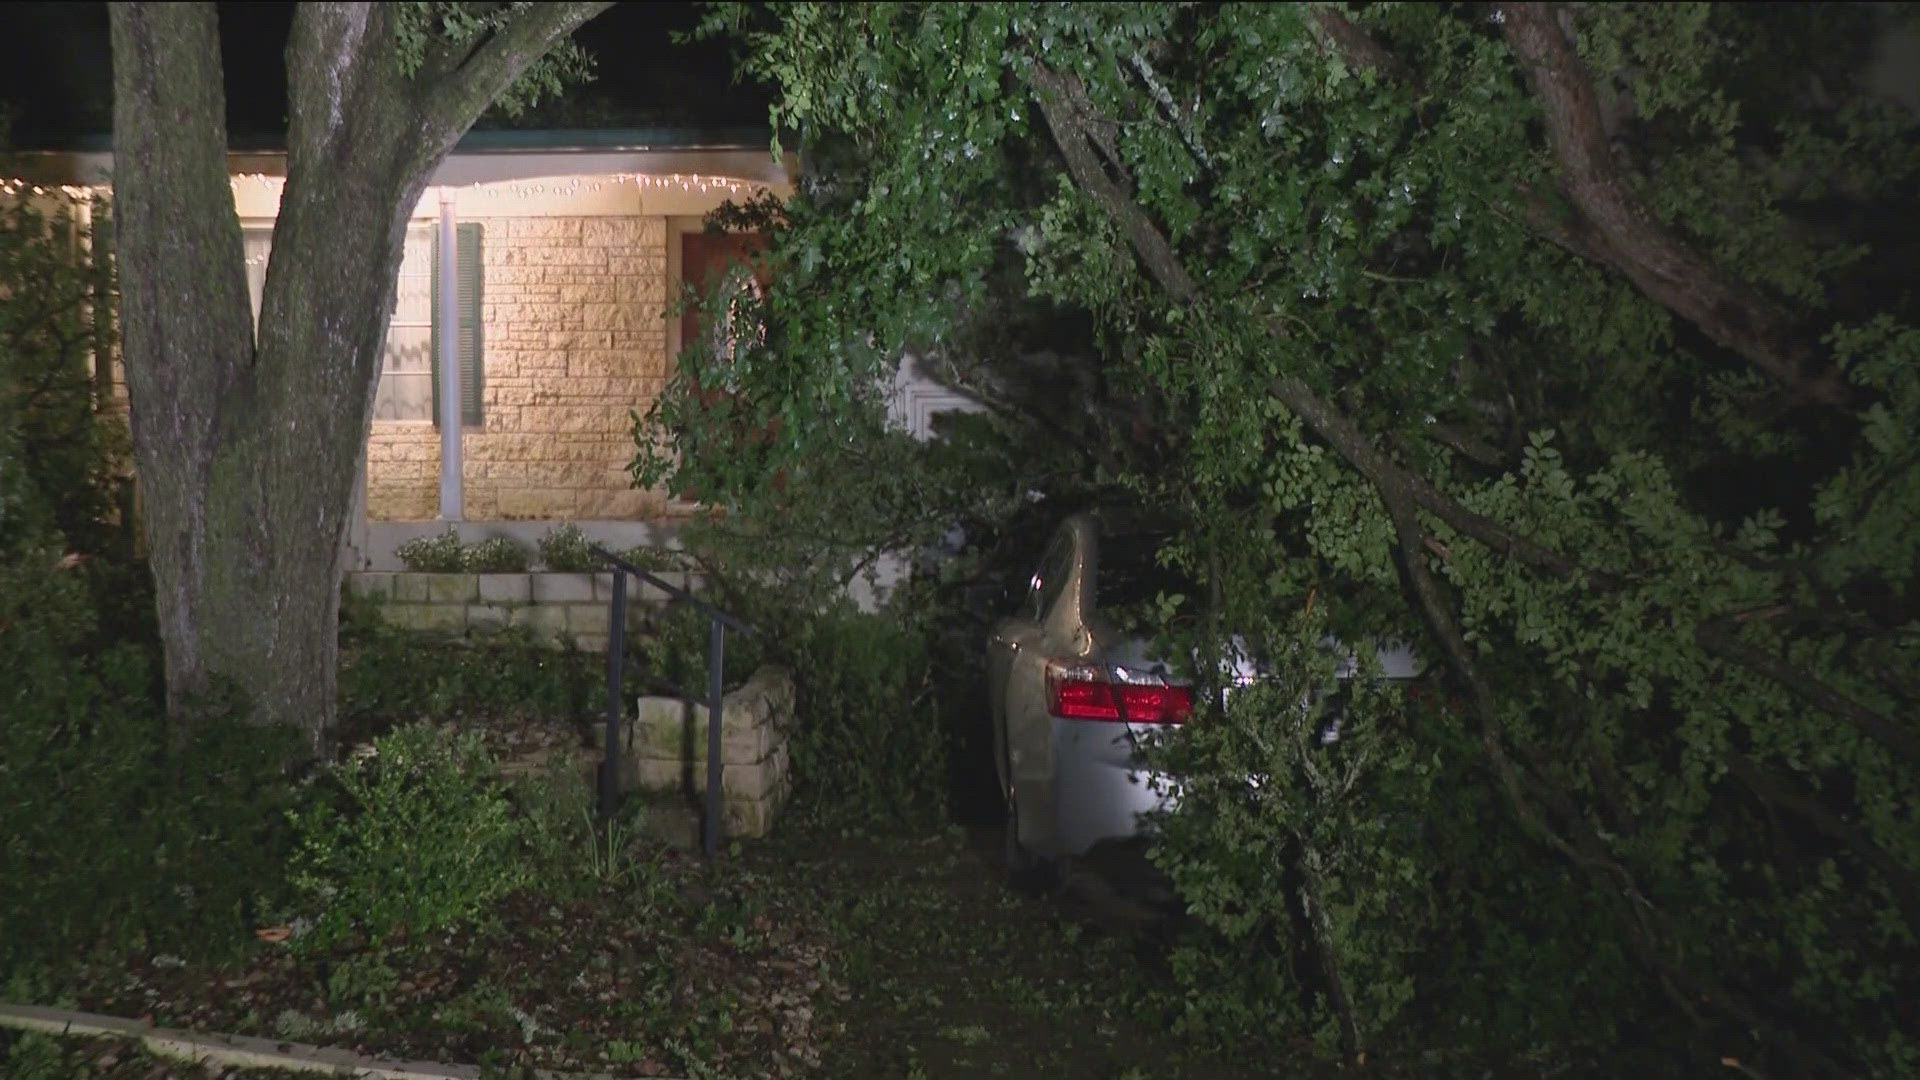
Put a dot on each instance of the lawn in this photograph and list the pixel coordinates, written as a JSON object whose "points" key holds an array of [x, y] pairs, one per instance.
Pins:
{"points": [[808, 954]]}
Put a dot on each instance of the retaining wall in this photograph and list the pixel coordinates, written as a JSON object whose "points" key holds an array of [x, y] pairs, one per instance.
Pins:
{"points": [[555, 606]]}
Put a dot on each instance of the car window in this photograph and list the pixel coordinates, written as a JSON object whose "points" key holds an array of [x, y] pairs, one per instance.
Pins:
{"points": [[1129, 573], [1128, 578], [1051, 577]]}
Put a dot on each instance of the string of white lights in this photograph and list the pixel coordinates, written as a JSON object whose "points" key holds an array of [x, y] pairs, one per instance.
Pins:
{"points": [[14, 186], [563, 186], [575, 185]]}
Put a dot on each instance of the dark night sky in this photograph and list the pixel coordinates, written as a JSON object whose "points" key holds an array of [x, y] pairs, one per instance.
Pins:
{"points": [[56, 74]]}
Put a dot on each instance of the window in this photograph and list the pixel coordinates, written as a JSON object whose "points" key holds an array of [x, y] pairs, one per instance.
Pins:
{"points": [[1052, 577], [256, 241], [406, 378], [409, 376]]}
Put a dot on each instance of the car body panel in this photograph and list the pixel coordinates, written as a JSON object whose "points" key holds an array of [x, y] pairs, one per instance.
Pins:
{"points": [[1100, 791]]}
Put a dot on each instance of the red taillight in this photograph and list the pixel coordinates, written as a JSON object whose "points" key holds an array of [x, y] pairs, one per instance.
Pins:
{"points": [[1086, 692]]}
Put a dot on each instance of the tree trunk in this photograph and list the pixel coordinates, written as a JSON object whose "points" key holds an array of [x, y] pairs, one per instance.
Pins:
{"points": [[247, 453], [187, 336]]}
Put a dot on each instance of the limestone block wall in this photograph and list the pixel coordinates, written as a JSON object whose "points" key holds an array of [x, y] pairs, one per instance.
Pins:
{"points": [[555, 606], [666, 747], [574, 335]]}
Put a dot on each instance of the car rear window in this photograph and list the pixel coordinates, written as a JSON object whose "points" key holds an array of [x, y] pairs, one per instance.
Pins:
{"points": [[1129, 574], [1051, 577]]}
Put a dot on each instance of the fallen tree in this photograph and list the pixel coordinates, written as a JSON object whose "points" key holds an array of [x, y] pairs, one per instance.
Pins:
{"points": [[1557, 336]]}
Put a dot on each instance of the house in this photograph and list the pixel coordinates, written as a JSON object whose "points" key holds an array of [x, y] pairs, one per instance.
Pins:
{"points": [[555, 257]]}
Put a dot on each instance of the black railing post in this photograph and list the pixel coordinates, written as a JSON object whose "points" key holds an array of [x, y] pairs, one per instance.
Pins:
{"points": [[616, 664], [718, 622], [716, 657]]}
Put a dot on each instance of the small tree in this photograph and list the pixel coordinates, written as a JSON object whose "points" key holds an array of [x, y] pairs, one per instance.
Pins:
{"points": [[55, 311]]}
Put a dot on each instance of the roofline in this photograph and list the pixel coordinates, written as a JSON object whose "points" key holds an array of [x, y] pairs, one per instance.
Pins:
{"points": [[466, 166], [516, 140]]}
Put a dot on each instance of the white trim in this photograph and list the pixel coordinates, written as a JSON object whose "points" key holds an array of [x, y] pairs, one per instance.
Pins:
{"points": [[916, 398]]}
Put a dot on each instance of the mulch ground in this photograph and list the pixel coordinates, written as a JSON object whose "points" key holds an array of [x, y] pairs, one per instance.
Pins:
{"points": [[673, 973], [806, 954]]}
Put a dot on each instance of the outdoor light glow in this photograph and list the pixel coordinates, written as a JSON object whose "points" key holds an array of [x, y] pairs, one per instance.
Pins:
{"points": [[16, 186], [688, 182], [575, 185]]}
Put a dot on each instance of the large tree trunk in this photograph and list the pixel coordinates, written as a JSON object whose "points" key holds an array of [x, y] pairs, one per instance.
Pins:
{"points": [[247, 453]]}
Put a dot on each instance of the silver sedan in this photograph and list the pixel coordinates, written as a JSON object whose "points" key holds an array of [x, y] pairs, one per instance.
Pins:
{"points": [[1074, 698]]}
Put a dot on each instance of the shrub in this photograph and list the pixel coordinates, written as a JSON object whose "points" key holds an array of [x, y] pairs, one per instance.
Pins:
{"points": [[565, 841], [656, 559], [171, 839], [563, 550], [868, 745], [418, 836], [442, 554], [388, 674], [496, 555], [73, 452], [674, 656], [113, 830]]}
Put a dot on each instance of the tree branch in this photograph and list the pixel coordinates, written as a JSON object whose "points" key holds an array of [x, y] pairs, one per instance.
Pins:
{"points": [[458, 97], [1460, 441], [1900, 880], [1403, 493], [1356, 46], [1666, 269], [1717, 640], [329, 67], [1339, 430], [1073, 133], [1612, 226], [1169, 109]]}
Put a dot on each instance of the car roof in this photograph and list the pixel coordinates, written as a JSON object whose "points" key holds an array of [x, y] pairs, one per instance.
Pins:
{"points": [[1121, 521]]}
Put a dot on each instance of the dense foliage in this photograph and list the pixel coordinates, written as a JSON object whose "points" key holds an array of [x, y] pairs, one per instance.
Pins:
{"points": [[417, 836], [1566, 341], [870, 749], [114, 829], [390, 676]]}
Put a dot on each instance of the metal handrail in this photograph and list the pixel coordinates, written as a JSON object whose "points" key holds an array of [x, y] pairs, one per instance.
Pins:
{"points": [[718, 623]]}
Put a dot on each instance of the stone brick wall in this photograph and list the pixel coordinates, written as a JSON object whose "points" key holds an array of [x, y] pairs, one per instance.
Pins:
{"points": [[665, 750], [574, 336], [559, 607]]}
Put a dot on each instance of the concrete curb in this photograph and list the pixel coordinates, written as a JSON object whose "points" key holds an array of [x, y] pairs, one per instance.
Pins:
{"points": [[240, 1051]]}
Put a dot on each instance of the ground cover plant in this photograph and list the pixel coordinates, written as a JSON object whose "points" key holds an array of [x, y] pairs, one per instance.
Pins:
{"points": [[446, 553]]}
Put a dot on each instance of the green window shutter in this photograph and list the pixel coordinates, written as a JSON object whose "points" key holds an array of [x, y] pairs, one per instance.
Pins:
{"points": [[468, 273]]}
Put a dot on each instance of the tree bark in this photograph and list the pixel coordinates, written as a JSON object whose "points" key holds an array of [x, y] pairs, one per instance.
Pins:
{"points": [[246, 452], [1622, 229]]}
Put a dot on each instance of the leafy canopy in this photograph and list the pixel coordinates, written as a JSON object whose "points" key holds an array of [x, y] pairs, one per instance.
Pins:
{"points": [[1557, 339]]}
